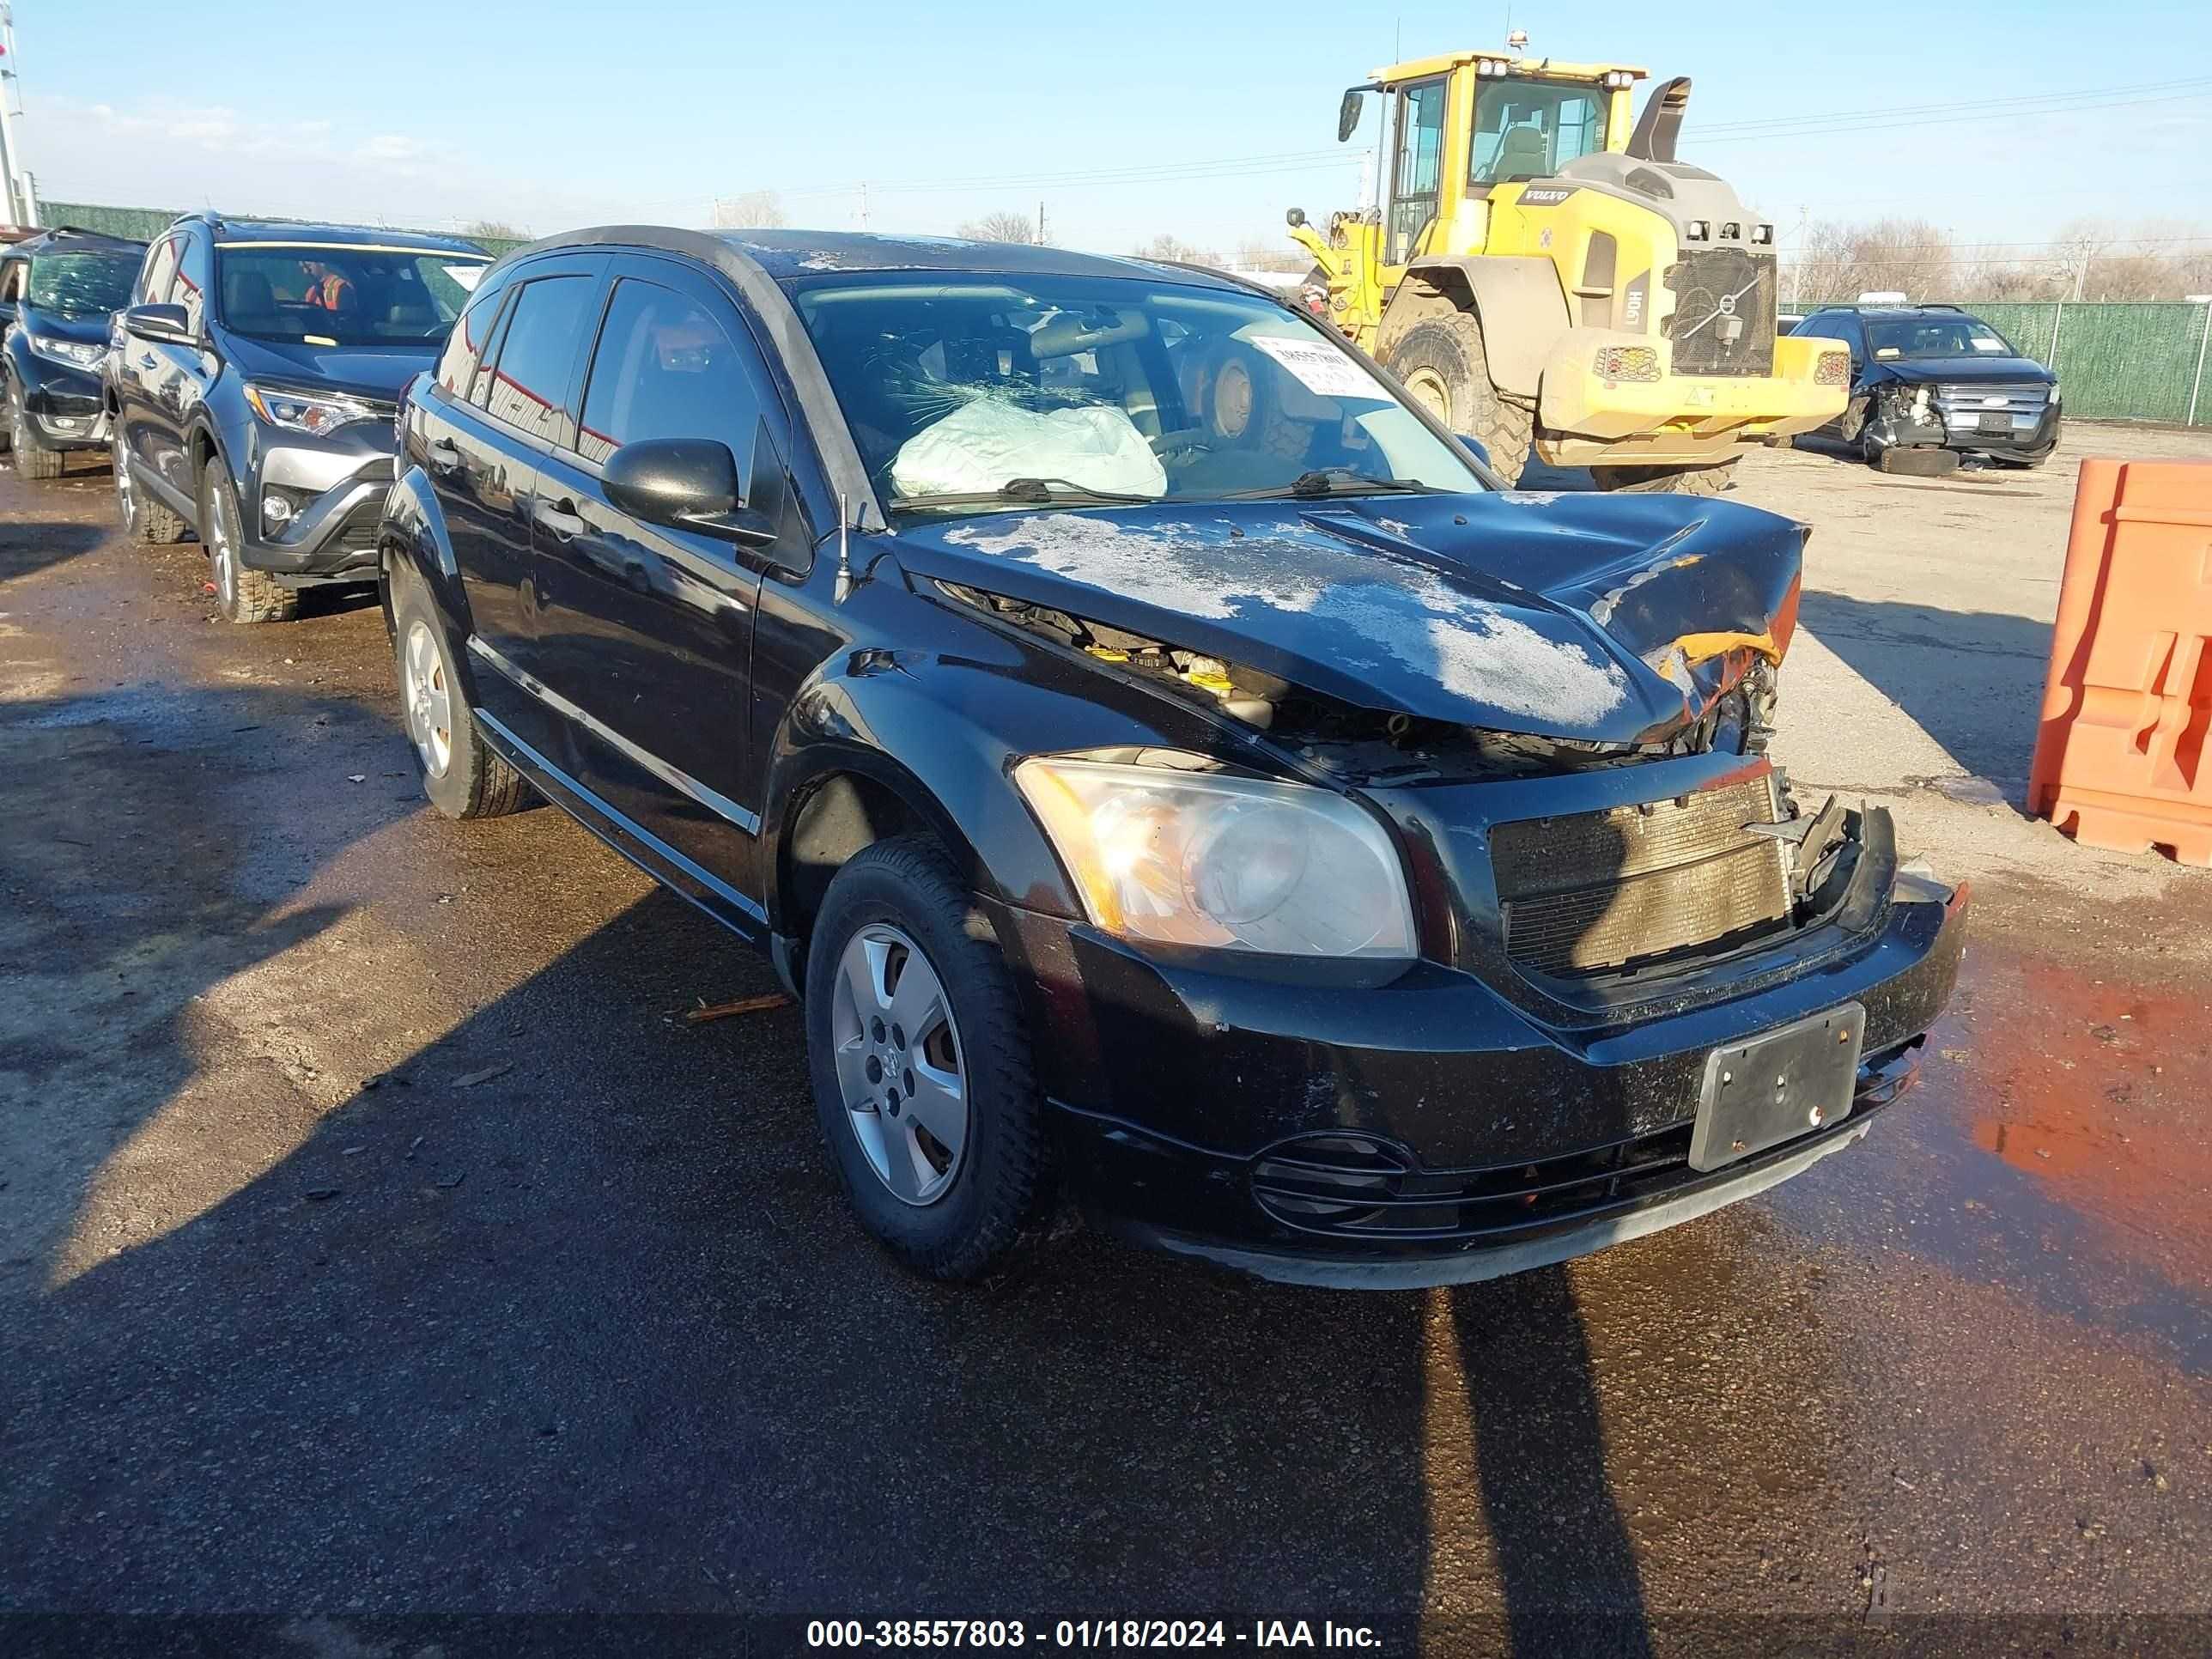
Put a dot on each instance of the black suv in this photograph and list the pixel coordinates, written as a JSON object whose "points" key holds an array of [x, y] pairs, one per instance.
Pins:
{"points": [[1932, 383], [1169, 768], [56, 292], [252, 385]]}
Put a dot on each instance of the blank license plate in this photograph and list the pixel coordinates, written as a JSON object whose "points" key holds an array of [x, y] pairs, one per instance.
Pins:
{"points": [[1778, 1086], [1996, 426]]}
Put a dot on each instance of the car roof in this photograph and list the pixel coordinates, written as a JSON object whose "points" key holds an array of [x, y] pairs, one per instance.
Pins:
{"points": [[1895, 314], [787, 256], [61, 236], [228, 231]]}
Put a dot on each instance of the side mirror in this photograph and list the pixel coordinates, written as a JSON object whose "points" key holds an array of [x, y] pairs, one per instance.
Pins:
{"points": [[1347, 113], [690, 484], [1481, 449], [168, 324]]}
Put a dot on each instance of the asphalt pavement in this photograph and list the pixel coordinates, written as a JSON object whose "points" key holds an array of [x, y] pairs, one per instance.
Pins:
{"points": [[379, 1242]]}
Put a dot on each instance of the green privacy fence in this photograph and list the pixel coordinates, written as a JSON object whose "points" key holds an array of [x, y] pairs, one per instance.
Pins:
{"points": [[144, 224], [2115, 361]]}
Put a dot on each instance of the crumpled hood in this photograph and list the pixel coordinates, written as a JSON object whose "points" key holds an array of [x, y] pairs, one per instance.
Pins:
{"points": [[1606, 618], [378, 372], [1958, 371]]}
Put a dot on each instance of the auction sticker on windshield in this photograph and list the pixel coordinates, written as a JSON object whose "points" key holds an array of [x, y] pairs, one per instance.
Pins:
{"points": [[1319, 366]]}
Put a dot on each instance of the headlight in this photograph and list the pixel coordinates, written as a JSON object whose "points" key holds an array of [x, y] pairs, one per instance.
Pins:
{"points": [[2054, 394], [318, 416], [1184, 857], [77, 354]]}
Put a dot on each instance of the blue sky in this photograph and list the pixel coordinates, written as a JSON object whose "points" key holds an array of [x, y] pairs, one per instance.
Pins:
{"points": [[552, 115]]}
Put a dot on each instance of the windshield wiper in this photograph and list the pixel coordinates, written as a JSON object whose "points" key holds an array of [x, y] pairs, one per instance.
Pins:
{"points": [[1334, 480], [1053, 492]]}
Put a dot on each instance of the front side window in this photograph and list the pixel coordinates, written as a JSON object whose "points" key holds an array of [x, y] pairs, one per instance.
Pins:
{"points": [[337, 295], [961, 390], [1937, 337], [1531, 129], [195, 275], [538, 355], [160, 274], [1417, 171], [665, 368]]}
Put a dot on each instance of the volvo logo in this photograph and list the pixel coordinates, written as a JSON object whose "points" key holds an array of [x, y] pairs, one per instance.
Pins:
{"points": [[1727, 305]]}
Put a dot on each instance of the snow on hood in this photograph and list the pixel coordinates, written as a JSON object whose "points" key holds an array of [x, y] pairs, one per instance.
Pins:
{"points": [[1610, 618]]}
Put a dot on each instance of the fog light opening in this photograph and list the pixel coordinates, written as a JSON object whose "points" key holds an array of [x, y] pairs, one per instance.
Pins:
{"points": [[275, 511]]}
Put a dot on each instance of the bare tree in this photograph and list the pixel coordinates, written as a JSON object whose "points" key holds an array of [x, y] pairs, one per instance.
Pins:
{"points": [[1164, 246], [756, 210], [497, 230], [998, 227], [1257, 253], [1842, 261]]}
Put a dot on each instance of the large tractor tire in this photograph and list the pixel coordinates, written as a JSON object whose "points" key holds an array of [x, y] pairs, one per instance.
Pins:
{"points": [[1667, 480], [1442, 363]]}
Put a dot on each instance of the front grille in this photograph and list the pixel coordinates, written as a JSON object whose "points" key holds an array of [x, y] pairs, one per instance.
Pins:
{"points": [[1597, 892], [1724, 321], [1356, 1187], [2020, 403]]}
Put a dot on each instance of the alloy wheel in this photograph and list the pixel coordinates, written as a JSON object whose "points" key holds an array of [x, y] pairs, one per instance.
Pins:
{"points": [[126, 495], [429, 699], [899, 1064], [221, 549]]}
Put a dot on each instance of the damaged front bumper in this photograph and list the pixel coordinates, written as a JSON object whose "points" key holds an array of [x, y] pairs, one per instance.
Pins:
{"points": [[1906, 416], [1317, 1125]]}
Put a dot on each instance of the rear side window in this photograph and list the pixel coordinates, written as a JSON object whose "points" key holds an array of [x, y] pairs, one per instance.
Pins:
{"points": [[464, 346], [537, 355], [665, 367]]}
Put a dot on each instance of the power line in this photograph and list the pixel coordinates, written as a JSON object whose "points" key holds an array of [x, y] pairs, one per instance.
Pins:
{"points": [[1952, 106]]}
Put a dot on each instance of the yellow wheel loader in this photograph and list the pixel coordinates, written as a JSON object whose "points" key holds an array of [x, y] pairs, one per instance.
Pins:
{"points": [[1545, 275]]}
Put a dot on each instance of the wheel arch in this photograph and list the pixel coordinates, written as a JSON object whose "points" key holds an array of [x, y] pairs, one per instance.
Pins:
{"points": [[1524, 292]]}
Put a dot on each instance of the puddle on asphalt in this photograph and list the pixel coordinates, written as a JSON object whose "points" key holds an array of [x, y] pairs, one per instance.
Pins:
{"points": [[2059, 1145]]}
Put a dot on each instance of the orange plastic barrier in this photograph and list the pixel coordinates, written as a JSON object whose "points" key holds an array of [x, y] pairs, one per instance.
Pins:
{"points": [[2121, 759]]}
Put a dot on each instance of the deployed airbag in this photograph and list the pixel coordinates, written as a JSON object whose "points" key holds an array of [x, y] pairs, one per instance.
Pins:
{"points": [[984, 444]]}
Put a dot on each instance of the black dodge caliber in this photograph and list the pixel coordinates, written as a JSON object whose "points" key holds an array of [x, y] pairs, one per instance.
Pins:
{"points": [[1170, 771]]}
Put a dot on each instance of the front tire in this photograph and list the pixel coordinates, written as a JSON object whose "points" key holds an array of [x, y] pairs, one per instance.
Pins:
{"points": [[1667, 480], [923, 1081], [460, 775], [33, 459], [242, 595], [1442, 362]]}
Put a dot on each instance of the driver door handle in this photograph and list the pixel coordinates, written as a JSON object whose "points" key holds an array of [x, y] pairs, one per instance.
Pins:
{"points": [[561, 518]]}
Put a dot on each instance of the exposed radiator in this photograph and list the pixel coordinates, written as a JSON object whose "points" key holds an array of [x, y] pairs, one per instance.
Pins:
{"points": [[1599, 891], [1724, 321]]}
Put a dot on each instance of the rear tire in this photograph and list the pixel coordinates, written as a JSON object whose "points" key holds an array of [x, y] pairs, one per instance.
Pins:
{"points": [[1667, 480], [461, 775], [242, 595], [963, 1214], [144, 520], [33, 459], [1442, 362]]}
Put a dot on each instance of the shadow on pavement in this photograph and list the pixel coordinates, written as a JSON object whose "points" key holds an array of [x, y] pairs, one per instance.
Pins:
{"points": [[599, 1331], [1973, 680], [29, 546]]}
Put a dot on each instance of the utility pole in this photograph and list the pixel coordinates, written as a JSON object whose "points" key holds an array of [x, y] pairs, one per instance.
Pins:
{"points": [[1040, 222], [20, 208], [864, 204]]}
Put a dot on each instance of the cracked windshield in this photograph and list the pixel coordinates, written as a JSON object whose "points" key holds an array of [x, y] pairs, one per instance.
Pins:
{"points": [[967, 395]]}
